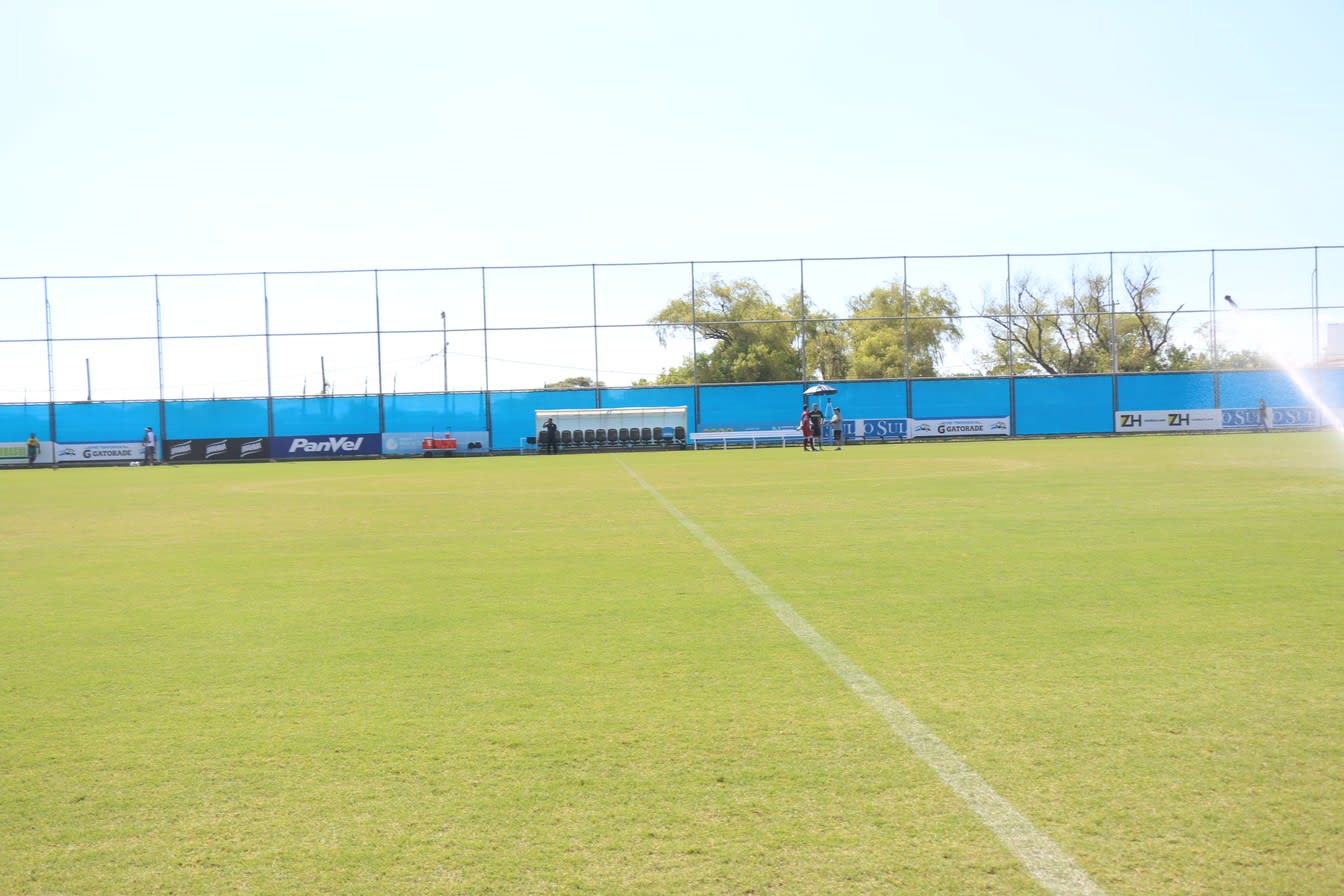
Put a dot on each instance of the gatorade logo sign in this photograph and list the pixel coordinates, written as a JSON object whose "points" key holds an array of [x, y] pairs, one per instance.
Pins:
{"points": [[960, 427]]}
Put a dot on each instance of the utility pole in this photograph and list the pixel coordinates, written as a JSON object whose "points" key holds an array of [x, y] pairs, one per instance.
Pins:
{"points": [[443, 316]]}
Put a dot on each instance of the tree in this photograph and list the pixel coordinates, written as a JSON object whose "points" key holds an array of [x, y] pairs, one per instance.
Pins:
{"points": [[576, 382], [1189, 358], [1040, 329], [757, 339], [825, 342], [754, 337], [894, 331]]}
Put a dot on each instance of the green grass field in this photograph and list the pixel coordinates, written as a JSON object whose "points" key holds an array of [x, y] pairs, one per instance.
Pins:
{"points": [[529, 675]]}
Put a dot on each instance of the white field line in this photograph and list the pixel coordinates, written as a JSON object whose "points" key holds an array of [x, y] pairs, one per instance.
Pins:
{"points": [[1042, 858]]}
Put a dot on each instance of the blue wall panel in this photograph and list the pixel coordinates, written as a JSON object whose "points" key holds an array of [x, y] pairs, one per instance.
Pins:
{"points": [[1063, 405], [1165, 391], [337, 415], [513, 414], [651, 397], [215, 418], [1244, 389], [960, 398], [435, 412], [1332, 388], [762, 406], [18, 420], [120, 421], [1042, 406], [860, 399]]}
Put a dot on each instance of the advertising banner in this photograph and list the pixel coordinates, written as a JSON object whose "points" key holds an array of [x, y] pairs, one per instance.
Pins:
{"points": [[320, 447], [99, 452], [877, 430], [204, 450], [13, 454], [959, 426], [1201, 420], [1288, 418], [408, 444]]}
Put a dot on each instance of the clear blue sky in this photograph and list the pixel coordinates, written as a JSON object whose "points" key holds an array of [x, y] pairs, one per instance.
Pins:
{"points": [[174, 137], [169, 137]]}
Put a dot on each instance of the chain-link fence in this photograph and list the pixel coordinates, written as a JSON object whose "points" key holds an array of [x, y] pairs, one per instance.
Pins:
{"points": [[390, 332]]}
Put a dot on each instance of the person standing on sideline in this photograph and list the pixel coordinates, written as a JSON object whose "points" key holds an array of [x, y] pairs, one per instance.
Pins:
{"points": [[1264, 416], [818, 427], [805, 424], [33, 446], [838, 429], [148, 442], [552, 436]]}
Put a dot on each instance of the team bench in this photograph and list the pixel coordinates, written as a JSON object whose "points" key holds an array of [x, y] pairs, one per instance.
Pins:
{"points": [[746, 437]]}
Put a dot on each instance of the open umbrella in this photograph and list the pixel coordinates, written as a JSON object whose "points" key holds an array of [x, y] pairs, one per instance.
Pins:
{"points": [[820, 389]]}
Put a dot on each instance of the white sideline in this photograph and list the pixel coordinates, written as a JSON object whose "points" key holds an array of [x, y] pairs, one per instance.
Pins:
{"points": [[1042, 858]]}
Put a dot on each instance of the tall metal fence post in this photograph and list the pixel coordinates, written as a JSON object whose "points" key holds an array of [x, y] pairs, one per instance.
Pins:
{"points": [[158, 341], [597, 367], [802, 325], [51, 375], [1315, 306], [1012, 370], [1213, 327], [695, 361], [378, 337], [270, 387], [485, 352], [905, 315], [1115, 344]]}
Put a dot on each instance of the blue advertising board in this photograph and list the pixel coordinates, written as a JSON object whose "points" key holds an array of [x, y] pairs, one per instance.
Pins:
{"points": [[880, 429], [319, 447], [1249, 418]]}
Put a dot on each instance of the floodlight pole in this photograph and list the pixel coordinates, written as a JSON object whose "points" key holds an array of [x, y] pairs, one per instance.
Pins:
{"points": [[443, 316]]}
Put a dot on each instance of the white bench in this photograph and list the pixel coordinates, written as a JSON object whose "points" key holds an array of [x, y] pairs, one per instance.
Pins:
{"points": [[780, 437]]}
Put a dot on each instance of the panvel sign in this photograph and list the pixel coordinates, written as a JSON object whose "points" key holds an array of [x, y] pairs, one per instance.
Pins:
{"points": [[1198, 420], [319, 447], [959, 426]]}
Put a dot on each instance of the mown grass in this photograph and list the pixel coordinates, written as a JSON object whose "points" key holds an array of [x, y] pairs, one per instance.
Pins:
{"points": [[522, 675]]}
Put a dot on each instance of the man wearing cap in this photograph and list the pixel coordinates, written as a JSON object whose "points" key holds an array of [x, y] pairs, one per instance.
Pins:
{"points": [[149, 446]]}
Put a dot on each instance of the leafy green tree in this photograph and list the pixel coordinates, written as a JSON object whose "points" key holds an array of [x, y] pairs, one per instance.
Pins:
{"points": [[894, 331], [758, 339], [576, 382], [753, 338], [825, 344]]}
